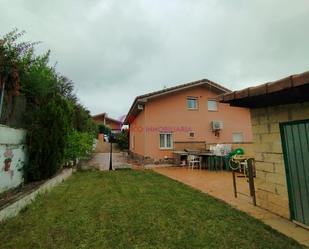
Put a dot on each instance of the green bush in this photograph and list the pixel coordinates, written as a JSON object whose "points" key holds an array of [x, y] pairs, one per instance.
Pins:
{"points": [[122, 139], [103, 129], [79, 146], [47, 137]]}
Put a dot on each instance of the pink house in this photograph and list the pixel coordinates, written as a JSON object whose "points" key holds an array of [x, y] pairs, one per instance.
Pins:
{"points": [[184, 116], [103, 119]]}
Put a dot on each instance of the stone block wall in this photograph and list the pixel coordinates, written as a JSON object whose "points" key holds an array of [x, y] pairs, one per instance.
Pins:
{"points": [[270, 184]]}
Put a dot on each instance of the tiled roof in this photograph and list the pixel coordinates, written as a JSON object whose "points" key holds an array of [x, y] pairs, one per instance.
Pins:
{"points": [[104, 115], [287, 90], [204, 82], [186, 85], [99, 115]]}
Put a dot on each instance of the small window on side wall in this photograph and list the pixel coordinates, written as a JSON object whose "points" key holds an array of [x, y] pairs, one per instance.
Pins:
{"points": [[191, 134], [192, 103], [238, 137], [212, 105]]}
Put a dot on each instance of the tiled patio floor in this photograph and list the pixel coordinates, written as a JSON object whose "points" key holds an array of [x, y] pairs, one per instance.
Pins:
{"points": [[220, 185]]}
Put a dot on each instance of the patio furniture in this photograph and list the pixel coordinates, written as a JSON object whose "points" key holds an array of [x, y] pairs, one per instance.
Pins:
{"points": [[194, 160], [180, 157]]}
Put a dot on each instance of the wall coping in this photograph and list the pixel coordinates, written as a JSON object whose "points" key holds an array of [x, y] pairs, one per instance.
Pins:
{"points": [[12, 136], [12, 209]]}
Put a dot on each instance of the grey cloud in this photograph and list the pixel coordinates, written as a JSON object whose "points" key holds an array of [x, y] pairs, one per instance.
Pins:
{"points": [[115, 50]]}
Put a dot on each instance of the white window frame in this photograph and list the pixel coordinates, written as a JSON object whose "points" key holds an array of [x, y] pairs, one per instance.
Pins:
{"points": [[212, 109], [241, 135], [192, 98], [165, 147]]}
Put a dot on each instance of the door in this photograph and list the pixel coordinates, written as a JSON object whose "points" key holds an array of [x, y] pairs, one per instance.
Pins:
{"points": [[295, 144]]}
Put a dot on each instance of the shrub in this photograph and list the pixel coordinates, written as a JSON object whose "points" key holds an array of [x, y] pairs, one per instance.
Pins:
{"points": [[122, 140], [79, 146], [103, 129], [47, 137]]}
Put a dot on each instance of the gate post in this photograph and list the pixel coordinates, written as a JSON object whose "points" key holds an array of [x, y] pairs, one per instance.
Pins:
{"points": [[251, 180]]}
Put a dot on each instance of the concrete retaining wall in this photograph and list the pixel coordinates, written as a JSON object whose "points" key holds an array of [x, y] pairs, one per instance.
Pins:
{"points": [[13, 209], [12, 157]]}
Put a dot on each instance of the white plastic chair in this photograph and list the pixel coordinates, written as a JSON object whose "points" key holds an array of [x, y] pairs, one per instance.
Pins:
{"points": [[193, 161]]}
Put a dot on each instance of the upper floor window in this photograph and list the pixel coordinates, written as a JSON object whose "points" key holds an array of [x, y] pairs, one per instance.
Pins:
{"points": [[192, 103], [212, 105]]}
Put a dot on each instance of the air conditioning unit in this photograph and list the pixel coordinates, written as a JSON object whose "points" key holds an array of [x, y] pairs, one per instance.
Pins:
{"points": [[217, 125], [140, 107]]}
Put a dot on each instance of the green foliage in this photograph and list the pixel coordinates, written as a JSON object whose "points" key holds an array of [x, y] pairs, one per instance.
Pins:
{"points": [[59, 128], [39, 81], [48, 138], [82, 120], [10, 52], [103, 129], [122, 139], [80, 145]]}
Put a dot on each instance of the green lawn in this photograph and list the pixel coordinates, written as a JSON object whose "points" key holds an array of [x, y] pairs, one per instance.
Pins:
{"points": [[134, 209]]}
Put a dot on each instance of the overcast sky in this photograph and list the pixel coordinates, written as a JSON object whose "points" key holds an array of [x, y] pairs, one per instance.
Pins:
{"points": [[115, 50]]}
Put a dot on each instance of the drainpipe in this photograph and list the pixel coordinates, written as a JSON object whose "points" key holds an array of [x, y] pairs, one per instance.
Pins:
{"points": [[1, 99]]}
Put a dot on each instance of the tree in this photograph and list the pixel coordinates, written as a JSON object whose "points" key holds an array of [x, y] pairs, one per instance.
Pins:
{"points": [[55, 121], [104, 129]]}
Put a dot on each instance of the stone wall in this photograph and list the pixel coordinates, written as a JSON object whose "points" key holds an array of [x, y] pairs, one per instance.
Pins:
{"points": [[145, 160], [12, 157], [271, 185]]}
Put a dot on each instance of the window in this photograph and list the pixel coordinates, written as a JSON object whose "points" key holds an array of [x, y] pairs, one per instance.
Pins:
{"points": [[191, 134], [212, 105], [192, 103], [166, 140], [238, 137]]}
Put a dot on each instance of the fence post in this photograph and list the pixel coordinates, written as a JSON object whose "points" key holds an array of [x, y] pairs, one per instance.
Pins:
{"points": [[234, 183], [251, 180]]}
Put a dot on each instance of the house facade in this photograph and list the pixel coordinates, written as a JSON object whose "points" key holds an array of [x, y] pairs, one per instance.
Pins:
{"points": [[280, 125], [185, 116], [103, 119]]}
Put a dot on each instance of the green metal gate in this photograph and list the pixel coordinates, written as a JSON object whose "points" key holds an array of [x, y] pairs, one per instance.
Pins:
{"points": [[295, 144]]}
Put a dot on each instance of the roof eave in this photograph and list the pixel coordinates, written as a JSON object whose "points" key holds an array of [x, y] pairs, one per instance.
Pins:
{"points": [[130, 117], [292, 88], [144, 98], [99, 115]]}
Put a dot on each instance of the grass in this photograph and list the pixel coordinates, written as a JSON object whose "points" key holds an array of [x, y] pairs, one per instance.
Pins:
{"points": [[134, 209]]}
